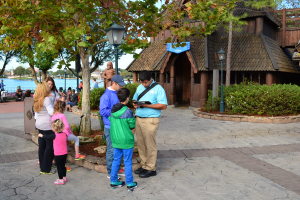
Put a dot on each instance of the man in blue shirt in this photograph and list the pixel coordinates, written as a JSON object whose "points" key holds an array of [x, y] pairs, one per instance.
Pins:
{"points": [[147, 121], [107, 101]]}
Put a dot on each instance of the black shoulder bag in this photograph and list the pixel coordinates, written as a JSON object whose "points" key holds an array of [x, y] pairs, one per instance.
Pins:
{"points": [[146, 90]]}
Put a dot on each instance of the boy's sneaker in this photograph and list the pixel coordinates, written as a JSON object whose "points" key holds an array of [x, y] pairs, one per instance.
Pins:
{"points": [[68, 168], [59, 182], [121, 172], [131, 186], [117, 184], [79, 157], [108, 177]]}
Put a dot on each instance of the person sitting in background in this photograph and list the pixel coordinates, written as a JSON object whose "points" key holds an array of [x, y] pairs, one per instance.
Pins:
{"points": [[69, 93], [19, 94], [73, 101], [62, 93], [80, 86], [27, 93]]}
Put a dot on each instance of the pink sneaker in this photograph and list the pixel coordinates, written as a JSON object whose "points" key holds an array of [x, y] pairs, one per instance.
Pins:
{"points": [[59, 182], [65, 179], [79, 157]]}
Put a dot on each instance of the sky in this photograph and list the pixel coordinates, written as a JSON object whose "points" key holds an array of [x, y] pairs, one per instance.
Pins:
{"points": [[123, 63]]}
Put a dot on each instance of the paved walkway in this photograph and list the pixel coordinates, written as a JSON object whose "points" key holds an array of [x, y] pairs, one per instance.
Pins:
{"points": [[198, 159]]}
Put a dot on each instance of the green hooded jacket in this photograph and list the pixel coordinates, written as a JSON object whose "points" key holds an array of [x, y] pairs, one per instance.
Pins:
{"points": [[122, 122]]}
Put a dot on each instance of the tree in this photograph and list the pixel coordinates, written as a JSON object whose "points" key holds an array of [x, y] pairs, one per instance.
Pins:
{"points": [[6, 58], [51, 26], [78, 26], [28, 71], [20, 71]]}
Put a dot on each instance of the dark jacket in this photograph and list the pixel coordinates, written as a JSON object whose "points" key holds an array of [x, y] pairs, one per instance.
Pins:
{"points": [[121, 123]]}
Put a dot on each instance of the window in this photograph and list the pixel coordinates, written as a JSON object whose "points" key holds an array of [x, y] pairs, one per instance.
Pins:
{"points": [[197, 78], [167, 77]]}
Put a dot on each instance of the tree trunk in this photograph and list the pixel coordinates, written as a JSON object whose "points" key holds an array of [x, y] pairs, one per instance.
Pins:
{"points": [[33, 74], [6, 61], [44, 75], [228, 59], [85, 128]]}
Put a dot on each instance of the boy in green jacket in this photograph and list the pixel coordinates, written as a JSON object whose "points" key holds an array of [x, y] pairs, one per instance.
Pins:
{"points": [[122, 122]]}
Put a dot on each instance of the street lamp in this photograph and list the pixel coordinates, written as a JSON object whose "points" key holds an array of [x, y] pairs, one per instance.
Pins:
{"points": [[221, 55], [115, 35], [65, 78]]}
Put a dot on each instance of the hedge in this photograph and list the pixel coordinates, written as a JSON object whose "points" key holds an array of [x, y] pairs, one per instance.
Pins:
{"points": [[254, 99], [97, 93]]}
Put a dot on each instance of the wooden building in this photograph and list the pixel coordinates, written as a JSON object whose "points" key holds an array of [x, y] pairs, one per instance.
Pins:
{"points": [[262, 53]]}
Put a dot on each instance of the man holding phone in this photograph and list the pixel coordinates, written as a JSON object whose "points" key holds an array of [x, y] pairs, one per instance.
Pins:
{"points": [[147, 121]]}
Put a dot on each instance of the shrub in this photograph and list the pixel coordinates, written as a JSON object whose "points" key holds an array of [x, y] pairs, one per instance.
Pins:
{"points": [[132, 88], [97, 93], [75, 129], [94, 98], [254, 99]]}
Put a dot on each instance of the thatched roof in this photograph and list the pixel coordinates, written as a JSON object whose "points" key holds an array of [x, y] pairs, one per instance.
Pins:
{"points": [[249, 53]]}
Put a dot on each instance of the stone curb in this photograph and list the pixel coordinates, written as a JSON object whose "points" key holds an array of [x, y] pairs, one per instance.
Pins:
{"points": [[245, 118], [90, 162]]}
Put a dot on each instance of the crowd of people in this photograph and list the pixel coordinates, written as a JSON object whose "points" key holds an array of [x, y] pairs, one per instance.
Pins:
{"points": [[121, 125]]}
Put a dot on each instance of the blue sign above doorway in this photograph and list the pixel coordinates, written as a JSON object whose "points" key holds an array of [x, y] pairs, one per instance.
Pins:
{"points": [[184, 46]]}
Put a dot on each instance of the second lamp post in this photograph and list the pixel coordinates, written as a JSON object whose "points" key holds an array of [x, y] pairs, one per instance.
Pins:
{"points": [[115, 35], [221, 55]]}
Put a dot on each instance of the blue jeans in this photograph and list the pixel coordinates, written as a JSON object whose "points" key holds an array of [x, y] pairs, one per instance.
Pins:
{"points": [[109, 150], [127, 156]]}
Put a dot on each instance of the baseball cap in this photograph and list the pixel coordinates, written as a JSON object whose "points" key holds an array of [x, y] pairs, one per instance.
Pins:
{"points": [[118, 79]]}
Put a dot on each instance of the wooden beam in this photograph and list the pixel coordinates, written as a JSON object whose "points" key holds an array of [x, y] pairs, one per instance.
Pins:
{"points": [[192, 61], [164, 65]]}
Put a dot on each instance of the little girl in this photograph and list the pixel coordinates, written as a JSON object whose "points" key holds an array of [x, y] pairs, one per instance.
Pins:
{"points": [[59, 108], [60, 151]]}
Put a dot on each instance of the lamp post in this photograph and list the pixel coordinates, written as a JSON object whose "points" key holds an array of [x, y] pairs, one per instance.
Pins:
{"points": [[221, 55], [65, 79], [115, 35]]}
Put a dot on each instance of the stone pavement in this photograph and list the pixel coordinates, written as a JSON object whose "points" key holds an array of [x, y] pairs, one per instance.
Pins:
{"points": [[198, 159]]}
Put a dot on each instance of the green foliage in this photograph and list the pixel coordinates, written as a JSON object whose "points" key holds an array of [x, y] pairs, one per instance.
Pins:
{"points": [[132, 88], [20, 71], [97, 93], [94, 98], [75, 129], [254, 99]]}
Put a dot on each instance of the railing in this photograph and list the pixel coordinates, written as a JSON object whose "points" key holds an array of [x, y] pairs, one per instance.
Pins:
{"points": [[290, 26]]}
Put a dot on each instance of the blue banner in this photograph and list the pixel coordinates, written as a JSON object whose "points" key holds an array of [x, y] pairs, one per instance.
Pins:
{"points": [[184, 46]]}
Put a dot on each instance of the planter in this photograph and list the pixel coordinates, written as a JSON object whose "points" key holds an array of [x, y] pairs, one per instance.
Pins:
{"points": [[245, 118]]}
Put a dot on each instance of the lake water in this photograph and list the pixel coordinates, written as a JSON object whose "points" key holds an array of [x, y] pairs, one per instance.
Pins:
{"points": [[12, 84]]}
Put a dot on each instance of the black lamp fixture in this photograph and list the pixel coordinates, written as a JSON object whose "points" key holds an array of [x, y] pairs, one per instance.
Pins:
{"points": [[221, 55], [115, 35]]}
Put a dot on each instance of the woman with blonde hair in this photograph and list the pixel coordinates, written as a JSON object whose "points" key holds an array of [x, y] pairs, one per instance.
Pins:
{"points": [[43, 108]]}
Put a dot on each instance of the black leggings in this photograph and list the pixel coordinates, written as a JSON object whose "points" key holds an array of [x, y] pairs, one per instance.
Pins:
{"points": [[61, 165], [46, 154]]}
